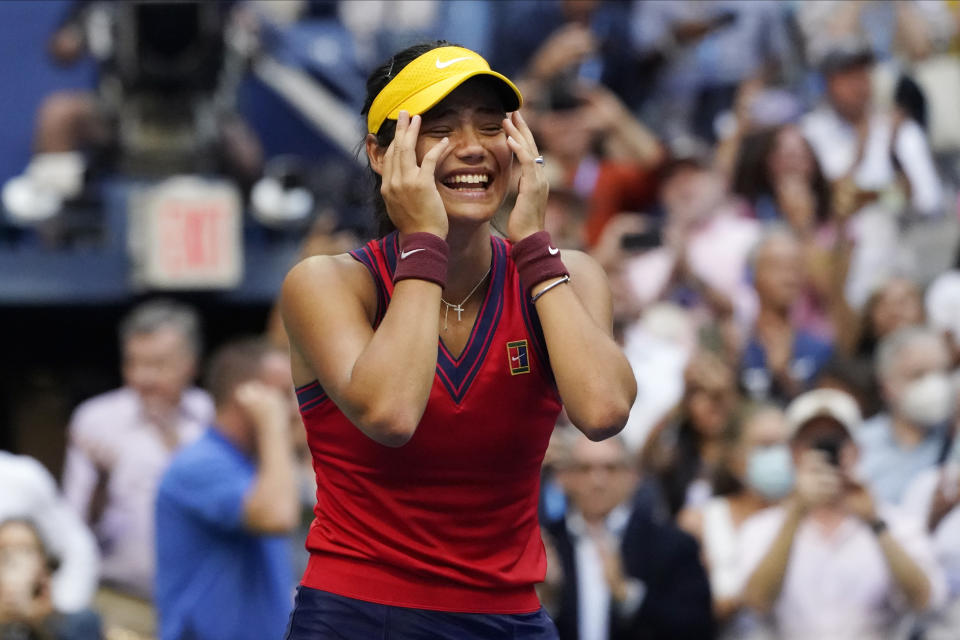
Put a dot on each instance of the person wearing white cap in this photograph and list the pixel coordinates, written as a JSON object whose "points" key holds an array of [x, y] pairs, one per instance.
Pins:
{"points": [[909, 438], [831, 562]]}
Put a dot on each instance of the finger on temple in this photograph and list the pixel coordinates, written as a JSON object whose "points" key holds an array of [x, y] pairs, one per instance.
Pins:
{"points": [[435, 156], [408, 146], [523, 155], [520, 131], [518, 121]]}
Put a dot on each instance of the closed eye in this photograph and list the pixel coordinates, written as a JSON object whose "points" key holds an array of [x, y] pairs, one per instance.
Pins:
{"points": [[437, 132]]}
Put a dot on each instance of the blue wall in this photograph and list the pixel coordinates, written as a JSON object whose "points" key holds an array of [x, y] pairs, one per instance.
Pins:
{"points": [[27, 74]]}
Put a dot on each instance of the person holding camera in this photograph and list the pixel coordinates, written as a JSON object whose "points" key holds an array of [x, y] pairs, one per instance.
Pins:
{"points": [[831, 562], [27, 610]]}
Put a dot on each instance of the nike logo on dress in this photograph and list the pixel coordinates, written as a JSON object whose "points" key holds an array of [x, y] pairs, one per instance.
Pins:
{"points": [[553, 250], [406, 254], [444, 65], [515, 359]]}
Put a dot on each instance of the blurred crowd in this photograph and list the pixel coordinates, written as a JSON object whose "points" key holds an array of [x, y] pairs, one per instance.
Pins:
{"points": [[772, 188]]}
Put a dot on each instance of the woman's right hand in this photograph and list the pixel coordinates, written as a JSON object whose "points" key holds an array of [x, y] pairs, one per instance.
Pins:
{"points": [[410, 190]]}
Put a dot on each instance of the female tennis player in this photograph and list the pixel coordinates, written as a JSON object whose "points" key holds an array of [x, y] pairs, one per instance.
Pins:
{"points": [[431, 366]]}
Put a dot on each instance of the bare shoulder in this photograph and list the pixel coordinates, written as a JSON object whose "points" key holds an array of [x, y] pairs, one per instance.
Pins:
{"points": [[325, 299], [326, 279], [324, 269]]}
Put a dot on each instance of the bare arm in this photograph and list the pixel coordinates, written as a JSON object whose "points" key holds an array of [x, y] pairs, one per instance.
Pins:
{"points": [[594, 379], [270, 506], [330, 334], [906, 573], [593, 376], [626, 137], [380, 379], [763, 587]]}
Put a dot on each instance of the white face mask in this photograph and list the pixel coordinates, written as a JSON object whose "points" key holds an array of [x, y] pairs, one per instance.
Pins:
{"points": [[770, 471], [928, 401]]}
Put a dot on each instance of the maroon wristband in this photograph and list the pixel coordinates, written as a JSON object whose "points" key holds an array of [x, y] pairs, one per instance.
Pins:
{"points": [[423, 256], [537, 260]]}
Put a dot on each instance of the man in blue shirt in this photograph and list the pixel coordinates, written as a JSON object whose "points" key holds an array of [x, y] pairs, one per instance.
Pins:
{"points": [[224, 505]]}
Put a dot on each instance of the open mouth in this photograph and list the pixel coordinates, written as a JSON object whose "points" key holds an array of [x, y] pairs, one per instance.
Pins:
{"points": [[479, 181]]}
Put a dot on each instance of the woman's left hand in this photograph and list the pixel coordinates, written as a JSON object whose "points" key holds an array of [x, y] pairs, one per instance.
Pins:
{"points": [[528, 213]]}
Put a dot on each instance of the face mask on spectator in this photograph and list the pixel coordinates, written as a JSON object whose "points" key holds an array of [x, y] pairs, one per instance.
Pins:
{"points": [[928, 401], [770, 471]]}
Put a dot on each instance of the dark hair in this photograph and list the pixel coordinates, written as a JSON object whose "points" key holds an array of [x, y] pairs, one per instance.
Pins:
{"points": [[376, 81], [751, 174], [233, 364]]}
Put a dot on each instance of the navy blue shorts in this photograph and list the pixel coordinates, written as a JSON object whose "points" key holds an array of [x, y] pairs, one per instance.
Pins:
{"points": [[320, 615]]}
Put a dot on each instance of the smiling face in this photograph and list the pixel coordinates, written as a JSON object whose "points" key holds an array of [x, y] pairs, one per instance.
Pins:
{"points": [[474, 177]]}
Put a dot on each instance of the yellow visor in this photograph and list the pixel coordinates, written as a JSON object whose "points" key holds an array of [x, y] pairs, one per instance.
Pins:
{"points": [[429, 79]]}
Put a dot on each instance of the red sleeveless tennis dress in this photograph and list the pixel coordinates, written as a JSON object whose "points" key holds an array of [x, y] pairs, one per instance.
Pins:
{"points": [[448, 521]]}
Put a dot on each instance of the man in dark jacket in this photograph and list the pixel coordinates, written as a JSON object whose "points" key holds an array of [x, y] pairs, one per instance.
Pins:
{"points": [[625, 573]]}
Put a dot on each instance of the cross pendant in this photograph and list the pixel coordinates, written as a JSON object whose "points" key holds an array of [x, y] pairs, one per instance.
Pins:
{"points": [[459, 310]]}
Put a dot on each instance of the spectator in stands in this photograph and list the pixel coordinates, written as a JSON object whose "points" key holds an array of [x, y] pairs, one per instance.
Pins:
{"points": [[571, 57], [585, 40], [878, 161], [707, 49], [831, 561], [934, 498], [906, 30], [897, 302], [941, 304], [779, 177], [120, 442], [683, 457], [29, 492], [625, 573], [696, 254], [598, 151], [27, 607], [755, 473], [909, 437], [226, 503], [862, 148], [780, 360]]}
